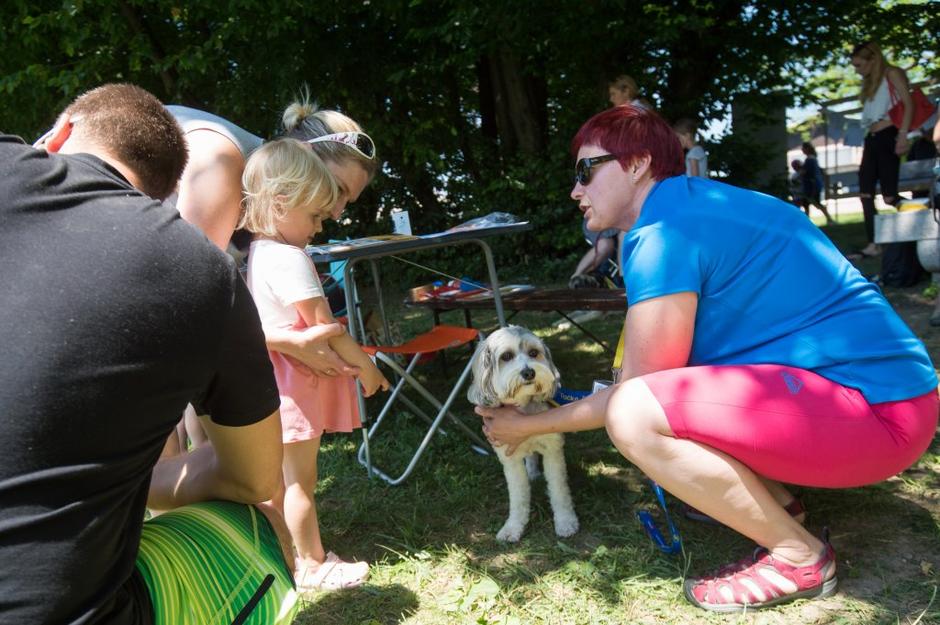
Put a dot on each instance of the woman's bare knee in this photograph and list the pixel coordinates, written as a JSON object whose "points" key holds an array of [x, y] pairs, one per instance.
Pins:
{"points": [[634, 418]]}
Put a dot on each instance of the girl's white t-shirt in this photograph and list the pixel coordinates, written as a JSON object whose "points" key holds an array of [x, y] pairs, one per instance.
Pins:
{"points": [[279, 275], [697, 153]]}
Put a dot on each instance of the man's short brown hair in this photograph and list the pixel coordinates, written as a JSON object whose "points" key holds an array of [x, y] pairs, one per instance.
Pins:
{"points": [[136, 129]]}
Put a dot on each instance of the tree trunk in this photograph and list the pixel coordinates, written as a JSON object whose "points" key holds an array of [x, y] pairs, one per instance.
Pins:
{"points": [[139, 27], [694, 69], [519, 103]]}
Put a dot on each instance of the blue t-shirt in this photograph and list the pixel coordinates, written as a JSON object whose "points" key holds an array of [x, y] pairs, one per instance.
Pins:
{"points": [[772, 289]]}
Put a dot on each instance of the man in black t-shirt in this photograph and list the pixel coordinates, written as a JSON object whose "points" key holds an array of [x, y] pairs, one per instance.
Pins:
{"points": [[116, 313]]}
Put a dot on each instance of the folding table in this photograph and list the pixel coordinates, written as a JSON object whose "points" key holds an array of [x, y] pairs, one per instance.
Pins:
{"points": [[557, 300], [380, 247]]}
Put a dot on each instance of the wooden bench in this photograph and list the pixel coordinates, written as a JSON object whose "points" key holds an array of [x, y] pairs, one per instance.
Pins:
{"points": [[920, 226]]}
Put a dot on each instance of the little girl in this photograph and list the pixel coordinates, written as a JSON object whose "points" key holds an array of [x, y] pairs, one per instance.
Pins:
{"points": [[288, 191], [696, 159]]}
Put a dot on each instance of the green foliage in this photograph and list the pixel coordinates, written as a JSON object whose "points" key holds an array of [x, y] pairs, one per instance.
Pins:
{"points": [[472, 105]]}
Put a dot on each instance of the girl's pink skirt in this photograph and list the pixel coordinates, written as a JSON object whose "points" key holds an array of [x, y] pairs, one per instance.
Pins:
{"points": [[312, 405]]}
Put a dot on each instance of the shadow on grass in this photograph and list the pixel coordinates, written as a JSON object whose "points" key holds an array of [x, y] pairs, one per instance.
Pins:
{"points": [[367, 605]]}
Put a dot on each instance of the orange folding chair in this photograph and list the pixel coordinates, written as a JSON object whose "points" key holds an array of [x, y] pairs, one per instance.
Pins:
{"points": [[439, 338]]}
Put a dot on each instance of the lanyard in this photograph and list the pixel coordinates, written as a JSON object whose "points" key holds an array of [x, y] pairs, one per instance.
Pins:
{"points": [[674, 546]]}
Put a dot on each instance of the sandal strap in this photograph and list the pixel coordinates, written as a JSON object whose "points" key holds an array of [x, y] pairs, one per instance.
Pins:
{"points": [[333, 574], [747, 582]]}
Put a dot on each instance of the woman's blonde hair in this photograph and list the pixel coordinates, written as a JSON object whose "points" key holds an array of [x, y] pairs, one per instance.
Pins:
{"points": [[280, 176], [625, 83], [303, 120], [871, 51]]}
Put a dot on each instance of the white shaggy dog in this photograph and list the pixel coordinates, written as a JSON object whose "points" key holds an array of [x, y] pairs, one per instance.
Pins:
{"points": [[513, 367]]}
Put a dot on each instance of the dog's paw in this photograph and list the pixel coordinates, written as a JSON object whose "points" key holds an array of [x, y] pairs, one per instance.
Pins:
{"points": [[511, 532], [566, 525]]}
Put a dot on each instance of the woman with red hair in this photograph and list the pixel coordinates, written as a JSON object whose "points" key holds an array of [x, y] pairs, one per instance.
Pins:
{"points": [[756, 355]]}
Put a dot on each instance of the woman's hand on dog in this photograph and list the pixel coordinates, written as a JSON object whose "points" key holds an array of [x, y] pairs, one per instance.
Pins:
{"points": [[505, 426]]}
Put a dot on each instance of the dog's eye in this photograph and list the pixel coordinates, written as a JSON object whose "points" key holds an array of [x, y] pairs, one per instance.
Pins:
{"points": [[506, 356], [533, 353]]}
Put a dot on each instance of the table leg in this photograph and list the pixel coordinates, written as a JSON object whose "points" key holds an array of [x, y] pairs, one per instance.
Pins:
{"points": [[494, 281], [378, 295], [355, 319], [589, 334]]}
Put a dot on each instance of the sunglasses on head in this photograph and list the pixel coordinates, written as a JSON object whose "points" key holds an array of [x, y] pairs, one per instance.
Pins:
{"points": [[359, 141], [582, 169], [41, 141]]}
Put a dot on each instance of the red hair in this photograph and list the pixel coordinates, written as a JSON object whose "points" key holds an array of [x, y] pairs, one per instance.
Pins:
{"points": [[631, 132]]}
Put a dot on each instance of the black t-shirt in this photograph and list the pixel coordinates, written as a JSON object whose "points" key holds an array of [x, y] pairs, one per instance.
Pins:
{"points": [[115, 313]]}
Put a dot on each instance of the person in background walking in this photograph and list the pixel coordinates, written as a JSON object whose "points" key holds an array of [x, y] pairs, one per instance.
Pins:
{"points": [[813, 184]]}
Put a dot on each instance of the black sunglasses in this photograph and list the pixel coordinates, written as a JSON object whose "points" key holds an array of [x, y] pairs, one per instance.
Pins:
{"points": [[582, 170]]}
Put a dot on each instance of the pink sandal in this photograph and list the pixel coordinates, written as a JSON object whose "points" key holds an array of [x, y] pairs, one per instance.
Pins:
{"points": [[333, 574], [760, 581]]}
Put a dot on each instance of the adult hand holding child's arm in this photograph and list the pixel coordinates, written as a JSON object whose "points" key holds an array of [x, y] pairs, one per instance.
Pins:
{"points": [[316, 313], [311, 347]]}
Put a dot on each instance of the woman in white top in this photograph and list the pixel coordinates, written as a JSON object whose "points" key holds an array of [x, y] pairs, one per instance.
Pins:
{"points": [[209, 196], [884, 142], [210, 191]]}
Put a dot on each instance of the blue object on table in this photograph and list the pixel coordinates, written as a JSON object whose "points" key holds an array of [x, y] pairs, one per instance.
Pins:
{"points": [[466, 284], [675, 544]]}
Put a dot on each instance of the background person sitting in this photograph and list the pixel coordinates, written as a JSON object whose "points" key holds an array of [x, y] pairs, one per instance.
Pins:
{"points": [[593, 266]]}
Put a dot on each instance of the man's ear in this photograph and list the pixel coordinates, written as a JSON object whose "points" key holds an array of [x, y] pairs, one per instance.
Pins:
{"points": [[58, 135]]}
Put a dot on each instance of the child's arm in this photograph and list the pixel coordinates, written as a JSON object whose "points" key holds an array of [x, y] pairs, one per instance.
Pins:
{"points": [[311, 347], [316, 311]]}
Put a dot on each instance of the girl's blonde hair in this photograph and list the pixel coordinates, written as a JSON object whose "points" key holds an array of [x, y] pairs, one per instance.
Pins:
{"points": [[871, 51], [280, 176], [303, 120]]}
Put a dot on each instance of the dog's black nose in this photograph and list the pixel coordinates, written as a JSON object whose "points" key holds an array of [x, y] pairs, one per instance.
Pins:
{"points": [[528, 374]]}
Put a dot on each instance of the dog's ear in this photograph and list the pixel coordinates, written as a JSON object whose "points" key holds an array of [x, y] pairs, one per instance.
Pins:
{"points": [[481, 391], [551, 363]]}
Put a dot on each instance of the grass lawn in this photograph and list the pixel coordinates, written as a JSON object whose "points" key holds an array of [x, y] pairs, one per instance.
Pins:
{"points": [[435, 559]]}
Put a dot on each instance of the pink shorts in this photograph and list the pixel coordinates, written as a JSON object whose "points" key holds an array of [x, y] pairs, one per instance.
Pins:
{"points": [[794, 426]]}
